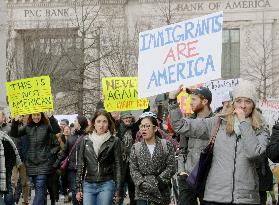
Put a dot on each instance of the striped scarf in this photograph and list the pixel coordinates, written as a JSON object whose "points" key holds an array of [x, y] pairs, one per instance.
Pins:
{"points": [[5, 137]]}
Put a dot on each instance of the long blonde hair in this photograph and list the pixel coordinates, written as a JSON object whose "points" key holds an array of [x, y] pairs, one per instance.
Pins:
{"points": [[256, 119]]}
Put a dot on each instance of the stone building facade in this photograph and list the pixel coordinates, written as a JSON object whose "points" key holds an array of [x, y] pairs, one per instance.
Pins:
{"points": [[100, 38], [3, 36]]}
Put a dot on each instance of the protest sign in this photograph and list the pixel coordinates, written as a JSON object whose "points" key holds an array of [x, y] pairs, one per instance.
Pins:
{"points": [[186, 53], [30, 95], [220, 90], [71, 117], [184, 100], [121, 93], [270, 111]]}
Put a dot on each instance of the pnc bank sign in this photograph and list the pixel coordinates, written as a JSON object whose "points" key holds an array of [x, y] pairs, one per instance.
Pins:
{"points": [[37, 13]]}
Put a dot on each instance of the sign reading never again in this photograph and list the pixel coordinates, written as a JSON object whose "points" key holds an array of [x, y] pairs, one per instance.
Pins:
{"points": [[30, 95], [121, 93]]}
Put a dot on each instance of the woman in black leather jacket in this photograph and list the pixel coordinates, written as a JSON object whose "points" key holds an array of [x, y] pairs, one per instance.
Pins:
{"points": [[99, 163]]}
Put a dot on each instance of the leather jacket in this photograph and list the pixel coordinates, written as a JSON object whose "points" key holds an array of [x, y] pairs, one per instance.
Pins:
{"points": [[104, 167], [73, 158]]}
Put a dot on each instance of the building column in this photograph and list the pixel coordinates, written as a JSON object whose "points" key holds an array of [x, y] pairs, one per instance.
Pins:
{"points": [[3, 37]]}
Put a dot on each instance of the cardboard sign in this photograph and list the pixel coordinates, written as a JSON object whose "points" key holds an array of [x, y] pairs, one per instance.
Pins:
{"points": [[270, 111], [220, 90], [121, 93], [186, 53], [184, 100], [30, 95]]}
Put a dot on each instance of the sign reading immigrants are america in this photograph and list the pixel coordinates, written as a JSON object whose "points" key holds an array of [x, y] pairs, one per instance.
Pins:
{"points": [[185, 53]]}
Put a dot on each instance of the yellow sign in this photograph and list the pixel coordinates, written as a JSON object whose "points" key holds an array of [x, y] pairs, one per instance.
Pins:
{"points": [[184, 99], [29, 95], [121, 93]]}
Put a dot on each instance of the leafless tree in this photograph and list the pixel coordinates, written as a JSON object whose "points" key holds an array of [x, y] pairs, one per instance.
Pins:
{"points": [[262, 62]]}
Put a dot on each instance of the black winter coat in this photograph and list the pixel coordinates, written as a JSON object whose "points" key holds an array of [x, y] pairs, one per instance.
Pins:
{"points": [[272, 149], [106, 166], [73, 159], [126, 145], [39, 159]]}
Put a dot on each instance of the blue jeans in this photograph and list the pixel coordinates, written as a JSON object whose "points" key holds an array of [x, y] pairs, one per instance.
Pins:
{"points": [[72, 185], [100, 193], [40, 183], [1, 200], [9, 197]]}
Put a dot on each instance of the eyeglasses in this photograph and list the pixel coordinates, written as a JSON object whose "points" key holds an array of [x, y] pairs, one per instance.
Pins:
{"points": [[146, 126]]}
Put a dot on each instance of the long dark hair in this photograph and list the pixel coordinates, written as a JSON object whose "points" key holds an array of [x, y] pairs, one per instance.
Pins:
{"points": [[43, 120], [111, 125]]}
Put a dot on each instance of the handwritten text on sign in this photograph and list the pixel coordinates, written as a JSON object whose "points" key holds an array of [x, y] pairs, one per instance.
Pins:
{"points": [[121, 93], [270, 111], [30, 95], [186, 53]]}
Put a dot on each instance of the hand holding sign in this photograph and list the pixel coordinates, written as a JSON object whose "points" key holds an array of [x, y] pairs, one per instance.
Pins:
{"points": [[18, 118], [173, 94], [48, 114]]}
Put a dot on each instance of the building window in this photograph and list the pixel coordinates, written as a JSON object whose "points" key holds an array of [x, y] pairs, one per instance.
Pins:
{"points": [[231, 54]]}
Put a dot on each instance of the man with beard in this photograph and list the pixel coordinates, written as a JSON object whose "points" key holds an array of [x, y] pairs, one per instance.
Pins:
{"points": [[126, 133], [190, 148]]}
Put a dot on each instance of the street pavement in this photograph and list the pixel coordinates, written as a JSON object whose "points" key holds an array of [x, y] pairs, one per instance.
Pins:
{"points": [[61, 200]]}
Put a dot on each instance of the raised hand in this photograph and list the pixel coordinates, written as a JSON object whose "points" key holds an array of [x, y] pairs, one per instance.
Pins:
{"points": [[49, 114], [18, 118], [175, 93], [240, 114]]}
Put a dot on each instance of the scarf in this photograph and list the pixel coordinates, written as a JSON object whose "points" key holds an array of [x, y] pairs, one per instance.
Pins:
{"points": [[5, 137], [98, 140]]}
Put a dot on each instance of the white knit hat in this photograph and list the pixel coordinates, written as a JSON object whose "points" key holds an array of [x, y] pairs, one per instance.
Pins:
{"points": [[245, 89]]}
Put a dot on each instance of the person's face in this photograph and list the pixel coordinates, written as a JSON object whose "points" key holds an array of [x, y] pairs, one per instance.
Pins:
{"points": [[246, 104], [147, 129], [76, 125], [67, 131], [127, 121], [226, 105], [36, 117], [101, 124], [197, 103], [115, 115], [63, 124], [89, 123], [25, 119], [2, 118]]}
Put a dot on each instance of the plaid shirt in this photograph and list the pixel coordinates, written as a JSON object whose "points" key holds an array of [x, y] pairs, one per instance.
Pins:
{"points": [[5, 137]]}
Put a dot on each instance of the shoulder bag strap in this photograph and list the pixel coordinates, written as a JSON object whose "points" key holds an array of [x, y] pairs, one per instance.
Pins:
{"points": [[214, 131], [76, 143]]}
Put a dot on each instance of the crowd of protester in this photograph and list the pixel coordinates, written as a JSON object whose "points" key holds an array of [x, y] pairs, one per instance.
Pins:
{"points": [[148, 161]]}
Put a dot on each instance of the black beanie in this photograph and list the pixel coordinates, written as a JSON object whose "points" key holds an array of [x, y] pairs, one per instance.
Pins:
{"points": [[82, 122]]}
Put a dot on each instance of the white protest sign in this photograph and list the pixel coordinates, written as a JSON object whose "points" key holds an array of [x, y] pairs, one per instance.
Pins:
{"points": [[270, 111], [220, 90], [71, 118], [186, 53]]}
